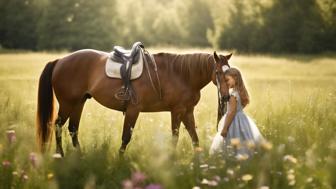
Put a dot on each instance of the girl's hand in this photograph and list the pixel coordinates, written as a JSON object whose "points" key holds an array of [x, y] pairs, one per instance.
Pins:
{"points": [[224, 133]]}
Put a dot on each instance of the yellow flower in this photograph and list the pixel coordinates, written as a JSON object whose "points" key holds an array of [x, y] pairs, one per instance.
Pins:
{"points": [[235, 142], [290, 158], [198, 149], [247, 177], [290, 177], [266, 145], [250, 144], [50, 176], [242, 157], [292, 183]]}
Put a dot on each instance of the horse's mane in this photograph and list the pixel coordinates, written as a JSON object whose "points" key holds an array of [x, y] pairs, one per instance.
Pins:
{"points": [[189, 66]]}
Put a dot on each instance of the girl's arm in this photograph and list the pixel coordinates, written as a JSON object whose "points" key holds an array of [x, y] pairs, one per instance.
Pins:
{"points": [[230, 115]]}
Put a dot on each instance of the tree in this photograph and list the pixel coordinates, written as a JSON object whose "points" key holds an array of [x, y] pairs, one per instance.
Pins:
{"points": [[197, 20], [79, 24], [18, 23]]}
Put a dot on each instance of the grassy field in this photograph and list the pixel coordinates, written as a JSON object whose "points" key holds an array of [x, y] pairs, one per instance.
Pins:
{"points": [[293, 102]]}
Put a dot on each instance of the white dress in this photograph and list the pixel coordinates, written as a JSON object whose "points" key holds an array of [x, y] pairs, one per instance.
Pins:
{"points": [[242, 135]]}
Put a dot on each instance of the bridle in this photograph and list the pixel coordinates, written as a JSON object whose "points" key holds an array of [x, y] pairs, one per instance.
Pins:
{"points": [[221, 99]]}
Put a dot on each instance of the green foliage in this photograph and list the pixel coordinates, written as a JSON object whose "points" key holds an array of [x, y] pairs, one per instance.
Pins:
{"points": [[276, 26], [18, 23], [75, 25]]}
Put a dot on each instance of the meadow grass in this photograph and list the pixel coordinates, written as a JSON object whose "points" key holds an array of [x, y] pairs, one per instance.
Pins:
{"points": [[292, 101]]}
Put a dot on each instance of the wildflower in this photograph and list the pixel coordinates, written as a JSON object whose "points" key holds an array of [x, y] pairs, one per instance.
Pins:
{"points": [[6, 163], [235, 142], [205, 181], [290, 158], [127, 184], [50, 176], [292, 183], [212, 167], [266, 145], [154, 186], [209, 182], [230, 172], [290, 171], [11, 136], [217, 178], [198, 149], [247, 177], [226, 179], [290, 177], [264, 187], [25, 177], [213, 183], [203, 166], [138, 177], [57, 156], [196, 187], [33, 159], [250, 144], [242, 157], [15, 173], [310, 179]]}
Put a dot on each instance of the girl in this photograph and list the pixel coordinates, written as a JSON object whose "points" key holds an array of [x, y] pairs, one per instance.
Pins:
{"points": [[236, 129]]}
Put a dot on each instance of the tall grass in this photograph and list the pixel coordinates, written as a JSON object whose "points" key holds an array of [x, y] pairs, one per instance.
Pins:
{"points": [[293, 104]]}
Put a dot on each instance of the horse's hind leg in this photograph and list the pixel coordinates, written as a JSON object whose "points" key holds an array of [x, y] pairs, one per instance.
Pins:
{"points": [[63, 115], [74, 124]]}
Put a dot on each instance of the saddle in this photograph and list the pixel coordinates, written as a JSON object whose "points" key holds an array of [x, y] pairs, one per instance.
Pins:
{"points": [[123, 56], [120, 65], [120, 60]]}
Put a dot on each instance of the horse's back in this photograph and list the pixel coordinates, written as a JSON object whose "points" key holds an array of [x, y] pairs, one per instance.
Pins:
{"points": [[73, 73]]}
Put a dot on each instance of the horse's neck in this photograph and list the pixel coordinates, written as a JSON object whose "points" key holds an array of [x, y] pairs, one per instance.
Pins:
{"points": [[195, 69]]}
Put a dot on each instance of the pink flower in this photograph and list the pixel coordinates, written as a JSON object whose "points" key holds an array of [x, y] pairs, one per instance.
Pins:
{"points": [[154, 186], [33, 159], [11, 136], [127, 184], [6, 163], [138, 177]]}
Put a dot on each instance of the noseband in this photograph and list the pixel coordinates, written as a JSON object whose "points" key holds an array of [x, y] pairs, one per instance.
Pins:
{"points": [[221, 98]]}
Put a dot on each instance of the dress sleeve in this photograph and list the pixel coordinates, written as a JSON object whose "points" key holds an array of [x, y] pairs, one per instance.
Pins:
{"points": [[235, 94]]}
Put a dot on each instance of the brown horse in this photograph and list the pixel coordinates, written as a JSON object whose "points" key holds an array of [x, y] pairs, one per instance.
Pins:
{"points": [[81, 75]]}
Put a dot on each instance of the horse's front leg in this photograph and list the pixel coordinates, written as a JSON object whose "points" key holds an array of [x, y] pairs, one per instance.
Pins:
{"points": [[131, 115], [189, 122]]}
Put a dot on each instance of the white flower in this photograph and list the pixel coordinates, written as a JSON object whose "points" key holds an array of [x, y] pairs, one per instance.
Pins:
{"points": [[290, 158], [247, 177]]}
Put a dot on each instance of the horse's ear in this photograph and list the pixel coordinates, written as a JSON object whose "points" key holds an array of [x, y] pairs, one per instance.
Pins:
{"points": [[228, 56], [216, 57]]}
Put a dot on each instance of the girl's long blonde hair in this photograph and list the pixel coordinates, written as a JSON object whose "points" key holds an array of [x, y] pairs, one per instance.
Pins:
{"points": [[240, 86]]}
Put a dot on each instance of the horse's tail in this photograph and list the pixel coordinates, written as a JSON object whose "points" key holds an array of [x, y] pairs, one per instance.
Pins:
{"points": [[45, 106]]}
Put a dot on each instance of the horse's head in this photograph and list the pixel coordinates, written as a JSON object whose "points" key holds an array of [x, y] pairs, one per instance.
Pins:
{"points": [[221, 64]]}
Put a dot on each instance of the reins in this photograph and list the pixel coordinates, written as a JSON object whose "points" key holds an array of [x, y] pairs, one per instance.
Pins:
{"points": [[158, 91]]}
